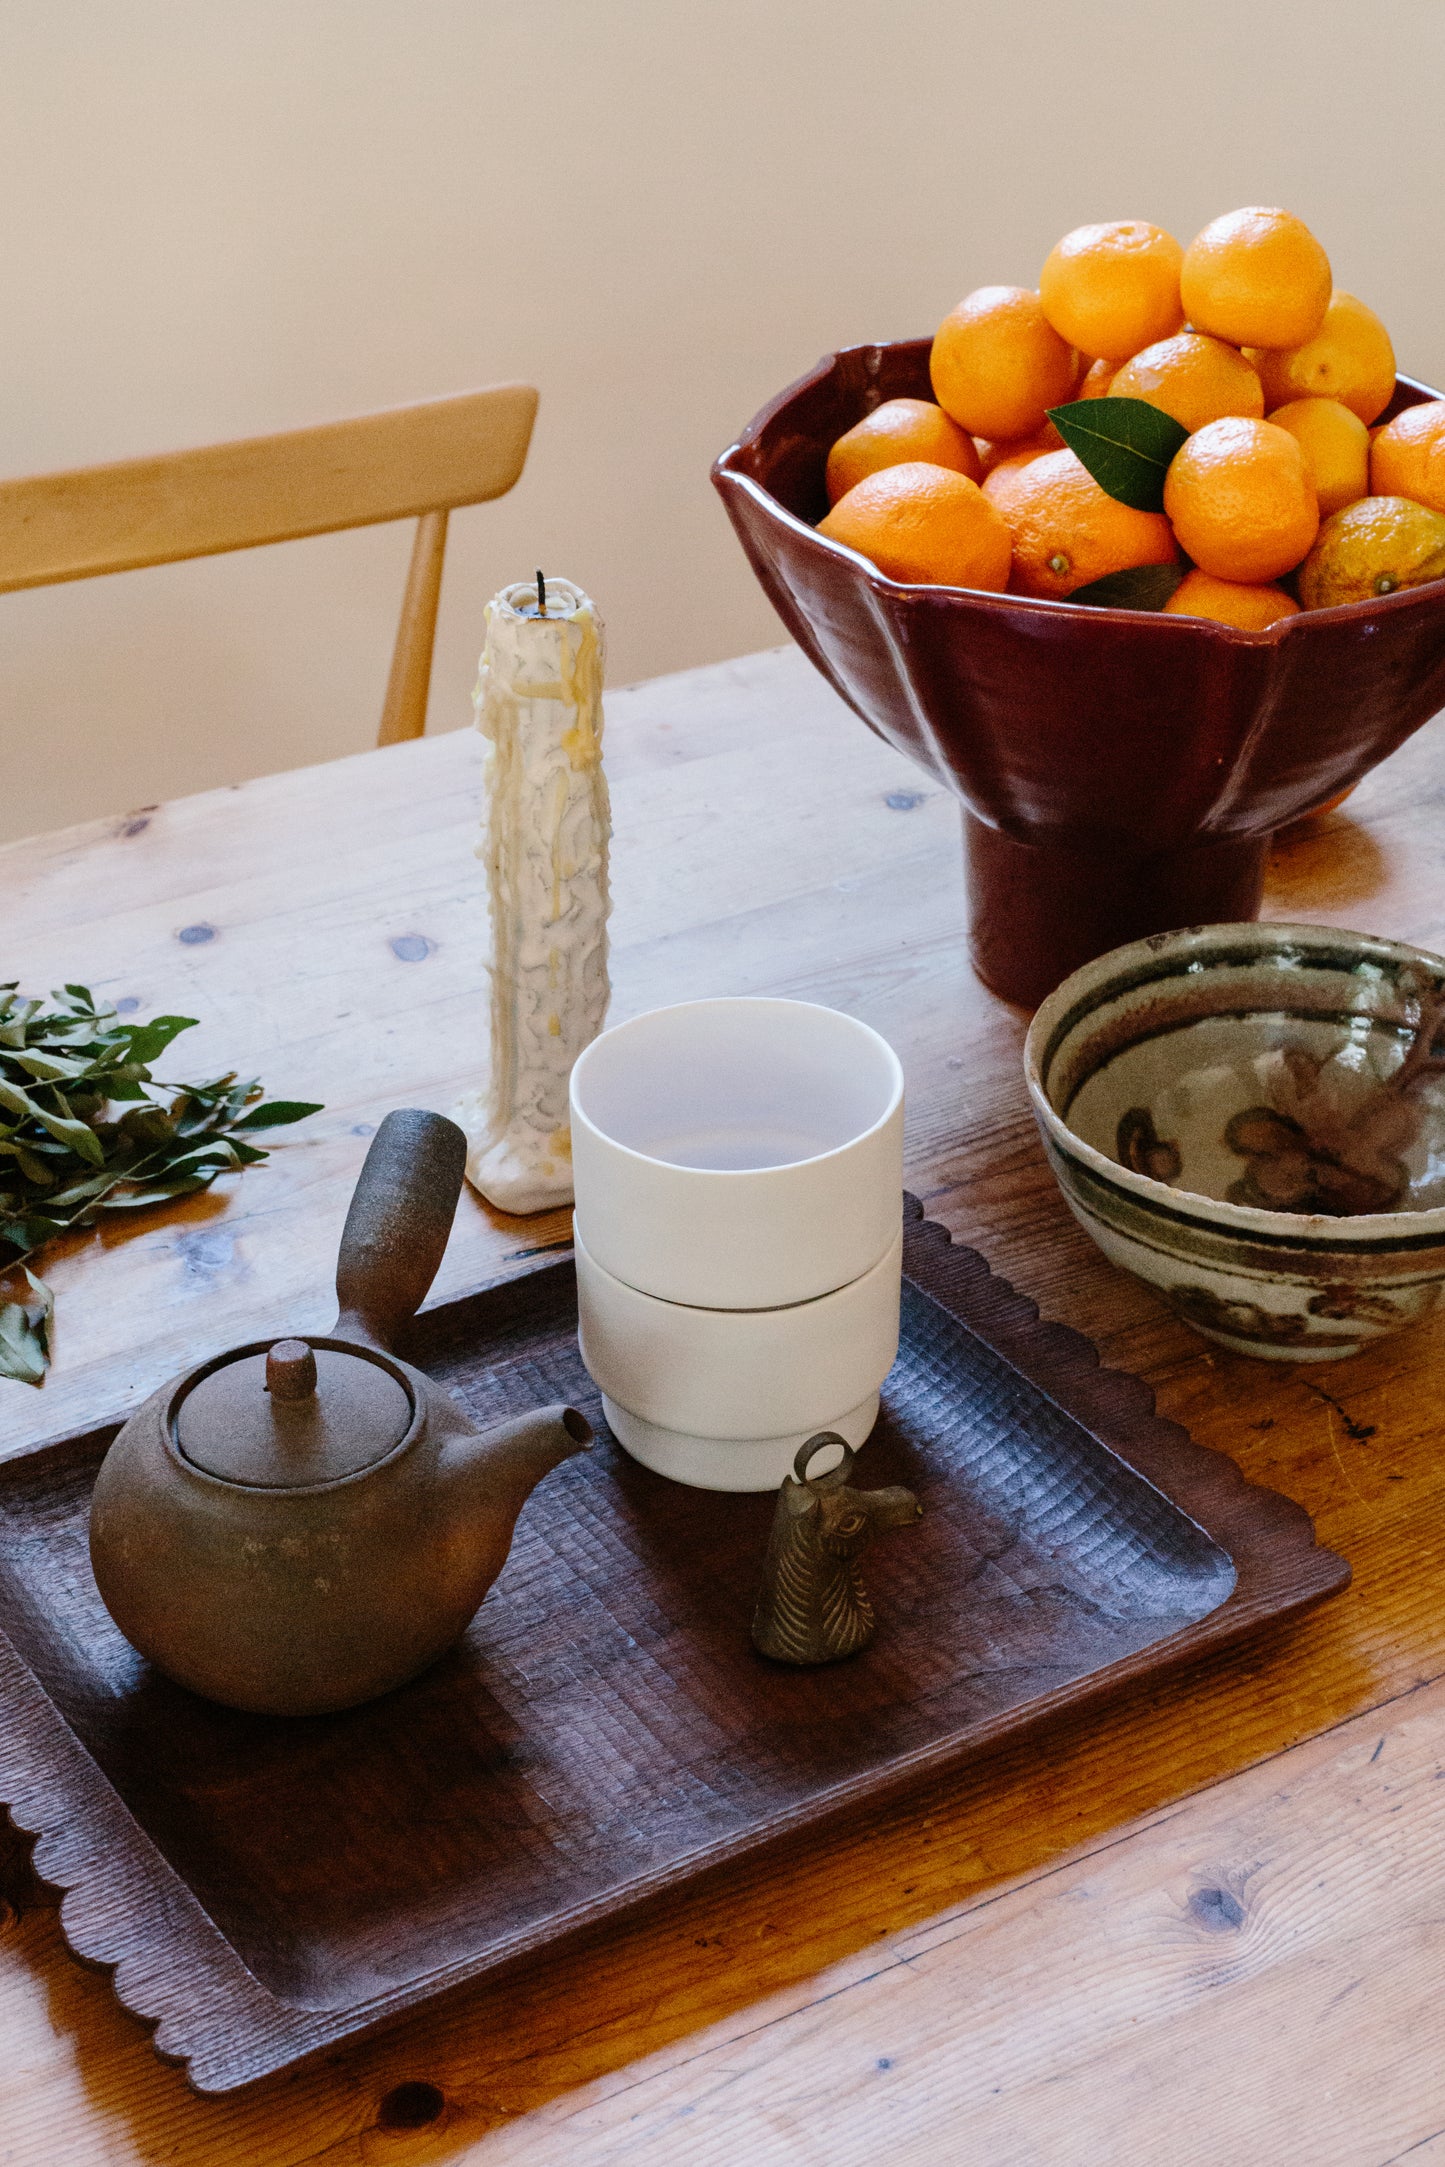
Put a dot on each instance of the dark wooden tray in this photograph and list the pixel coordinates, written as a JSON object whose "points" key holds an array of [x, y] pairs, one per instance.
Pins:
{"points": [[264, 1888]]}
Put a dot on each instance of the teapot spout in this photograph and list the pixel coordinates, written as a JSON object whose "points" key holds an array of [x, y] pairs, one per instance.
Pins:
{"points": [[501, 1467]]}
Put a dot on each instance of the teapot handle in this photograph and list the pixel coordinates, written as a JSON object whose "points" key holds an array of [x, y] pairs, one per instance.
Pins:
{"points": [[396, 1230]]}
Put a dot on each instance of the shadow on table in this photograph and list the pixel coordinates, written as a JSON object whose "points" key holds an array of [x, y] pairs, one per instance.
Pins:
{"points": [[1332, 860]]}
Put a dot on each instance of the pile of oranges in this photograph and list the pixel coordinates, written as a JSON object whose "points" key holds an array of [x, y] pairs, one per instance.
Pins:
{"points": [[1242, 339]]}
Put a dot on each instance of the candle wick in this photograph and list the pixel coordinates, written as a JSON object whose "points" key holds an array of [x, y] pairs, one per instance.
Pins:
{"points": [[541, 595]]}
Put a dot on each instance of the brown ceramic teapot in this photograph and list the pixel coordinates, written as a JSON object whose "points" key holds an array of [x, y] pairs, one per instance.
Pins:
{"points": [[300, 1525]]}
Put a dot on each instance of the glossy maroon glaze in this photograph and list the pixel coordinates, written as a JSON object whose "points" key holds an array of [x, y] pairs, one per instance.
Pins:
{"points": [[1131, 766]]}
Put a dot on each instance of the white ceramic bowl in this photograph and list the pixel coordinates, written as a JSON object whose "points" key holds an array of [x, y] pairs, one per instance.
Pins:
{"points": [[738, 1154], [1208, 1099], [723, 1398]]}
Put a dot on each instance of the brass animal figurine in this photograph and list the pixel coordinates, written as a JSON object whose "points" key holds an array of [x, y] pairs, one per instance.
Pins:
{"points": [[813, 1607]]}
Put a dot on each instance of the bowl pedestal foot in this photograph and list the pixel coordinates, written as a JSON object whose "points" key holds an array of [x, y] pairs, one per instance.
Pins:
{"points": [[1037, 911]]}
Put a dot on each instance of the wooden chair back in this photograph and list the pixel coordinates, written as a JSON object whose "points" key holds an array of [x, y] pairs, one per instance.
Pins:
{"points": [[407, 462]]}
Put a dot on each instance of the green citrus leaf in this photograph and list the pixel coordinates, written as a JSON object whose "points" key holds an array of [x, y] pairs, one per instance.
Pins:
{"points": [[148, 1041], [25, 1334], [275, 1113], [1143, 586], [1126, 444]]}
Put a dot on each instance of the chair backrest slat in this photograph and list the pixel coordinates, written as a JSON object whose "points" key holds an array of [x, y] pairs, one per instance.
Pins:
{"points": [[392, 465]]}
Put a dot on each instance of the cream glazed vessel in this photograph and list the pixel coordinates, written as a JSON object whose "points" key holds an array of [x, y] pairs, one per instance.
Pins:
{"points": [[722, 1399], [546, 828], [738, 1153]]}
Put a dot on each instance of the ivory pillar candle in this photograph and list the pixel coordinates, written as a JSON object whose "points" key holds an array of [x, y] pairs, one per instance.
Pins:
{"points": [[546, 824]]}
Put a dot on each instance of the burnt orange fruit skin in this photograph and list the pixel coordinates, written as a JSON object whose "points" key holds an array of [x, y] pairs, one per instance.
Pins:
{"points": [[1407, 458], [1350, 358], [1228, 602], [1067, 531], [1256, 277], [998, 364], [1194, 378], [1241, 500], [898, 431], [998, 483], [924, 525], [1110, 289], [1096, 380], [1015, 449]]}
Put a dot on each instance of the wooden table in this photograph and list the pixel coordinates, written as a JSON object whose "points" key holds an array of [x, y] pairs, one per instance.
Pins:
{"points": [[1207, 1926]]}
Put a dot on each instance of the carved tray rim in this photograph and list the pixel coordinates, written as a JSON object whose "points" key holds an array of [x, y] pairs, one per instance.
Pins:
{"points": [[126, 1910]]}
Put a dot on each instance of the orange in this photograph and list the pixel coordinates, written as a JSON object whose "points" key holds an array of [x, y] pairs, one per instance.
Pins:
{"points": [[1350, 358], [1257, 278], [998, 363], [998, 482], [1067, 532], [1336, 445], [1407, 458], [1229, 603], [1014, 448], [1097, 379], [1371, 549], [1194, 378], [924, 524], [1241, 499], [1111, 289], [899, 430]]}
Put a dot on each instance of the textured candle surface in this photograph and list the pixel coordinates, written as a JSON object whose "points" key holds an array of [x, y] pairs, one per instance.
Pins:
{"points": [[546, 824]]}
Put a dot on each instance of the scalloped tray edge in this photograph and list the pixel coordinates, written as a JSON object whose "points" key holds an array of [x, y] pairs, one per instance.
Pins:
{"points": [[188, 1982]]}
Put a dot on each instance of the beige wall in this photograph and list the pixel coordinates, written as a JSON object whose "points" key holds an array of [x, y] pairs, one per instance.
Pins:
{"points": [[217, 219]]}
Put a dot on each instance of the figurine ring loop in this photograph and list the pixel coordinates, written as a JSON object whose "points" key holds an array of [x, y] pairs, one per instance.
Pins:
{"points": [[806, 1454]]}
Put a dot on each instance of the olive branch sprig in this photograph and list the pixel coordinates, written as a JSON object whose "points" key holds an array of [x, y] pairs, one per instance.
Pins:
{"points": [[85, 1129]]}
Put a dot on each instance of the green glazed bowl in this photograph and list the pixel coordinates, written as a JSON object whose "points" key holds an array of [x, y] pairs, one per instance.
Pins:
{"points": [[1251, 1119]]}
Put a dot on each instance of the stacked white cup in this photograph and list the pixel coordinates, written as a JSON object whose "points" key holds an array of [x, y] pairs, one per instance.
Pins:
{"points": [[738, 1174]]}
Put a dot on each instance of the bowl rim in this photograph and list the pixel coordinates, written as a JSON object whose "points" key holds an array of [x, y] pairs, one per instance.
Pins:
{"points": [[725, 471], [1295, 1229]]}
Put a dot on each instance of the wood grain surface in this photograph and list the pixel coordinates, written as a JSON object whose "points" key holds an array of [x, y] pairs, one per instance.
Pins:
{"points": [[168, 505], [1202, 1926]]}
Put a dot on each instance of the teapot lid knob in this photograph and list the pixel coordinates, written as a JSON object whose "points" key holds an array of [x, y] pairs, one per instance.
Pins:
{"points": [[291, 1370], [289, 1416]]}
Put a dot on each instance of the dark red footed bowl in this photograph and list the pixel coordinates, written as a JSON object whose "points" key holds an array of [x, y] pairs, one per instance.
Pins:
{"points": [[1121, 771]]}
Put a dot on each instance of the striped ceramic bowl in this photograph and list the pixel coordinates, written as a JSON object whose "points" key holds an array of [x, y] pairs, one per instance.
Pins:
{"points": [[1251, 1118]]}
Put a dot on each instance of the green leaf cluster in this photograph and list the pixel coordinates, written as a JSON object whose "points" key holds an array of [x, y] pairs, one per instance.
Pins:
{"points": [[86, 1129], [1126, 444]]}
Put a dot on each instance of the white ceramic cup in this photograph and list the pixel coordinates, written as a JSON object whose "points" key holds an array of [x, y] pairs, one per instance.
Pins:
{"points": [[738, 1154], [723, 1398]]}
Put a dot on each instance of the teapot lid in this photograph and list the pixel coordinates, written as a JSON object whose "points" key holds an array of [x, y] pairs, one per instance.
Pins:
{"points": [[292, 1415]]}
